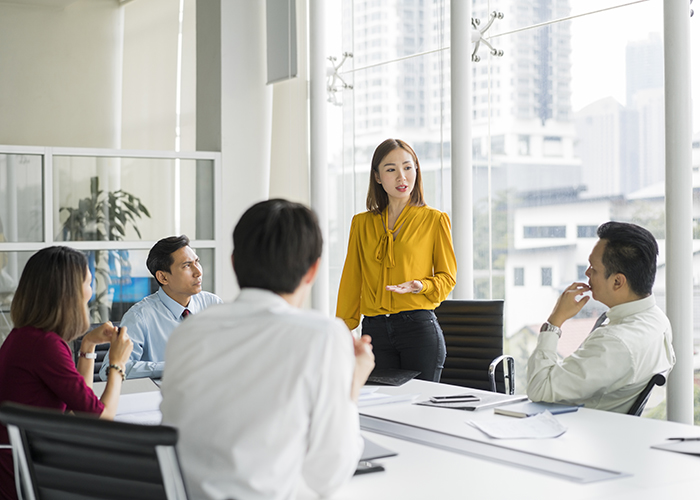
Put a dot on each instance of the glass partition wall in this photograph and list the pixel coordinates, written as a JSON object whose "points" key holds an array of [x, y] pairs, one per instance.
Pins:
{"points": [[567, 131], [113, 205]]}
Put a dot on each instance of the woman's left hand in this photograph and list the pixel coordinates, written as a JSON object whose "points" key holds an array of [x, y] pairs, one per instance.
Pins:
{"points": [[414, 286], [100, 335]]}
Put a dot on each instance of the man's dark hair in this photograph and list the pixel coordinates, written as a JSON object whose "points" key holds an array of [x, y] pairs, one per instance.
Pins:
{"points": [[630, 250], [160, 258], [274, 244]]}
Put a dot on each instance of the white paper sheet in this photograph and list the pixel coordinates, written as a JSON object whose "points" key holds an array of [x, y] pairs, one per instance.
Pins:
{"points": [[540, 426], [139, 402], [142, 418], [377, 398]]}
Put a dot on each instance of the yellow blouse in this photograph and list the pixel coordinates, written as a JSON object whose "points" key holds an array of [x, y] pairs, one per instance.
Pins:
{"points": [[419, 248]]}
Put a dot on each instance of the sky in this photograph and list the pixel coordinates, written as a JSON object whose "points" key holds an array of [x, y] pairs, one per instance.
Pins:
{"points": [[598, 48], [599, 42]]}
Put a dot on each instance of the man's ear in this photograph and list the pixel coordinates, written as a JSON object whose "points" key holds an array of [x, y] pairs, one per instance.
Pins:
{"points": [[310, 275], [620, 281], [161, 278]]}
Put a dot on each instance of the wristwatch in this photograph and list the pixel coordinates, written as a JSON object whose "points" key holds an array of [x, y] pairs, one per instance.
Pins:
{"points": [[88, 355], [548, 327]]}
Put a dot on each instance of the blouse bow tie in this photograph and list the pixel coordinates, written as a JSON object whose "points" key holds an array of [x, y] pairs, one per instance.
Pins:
{"points": [[385, 249]]}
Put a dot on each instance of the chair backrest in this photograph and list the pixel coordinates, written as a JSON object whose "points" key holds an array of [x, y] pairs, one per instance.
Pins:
{"points": [[643, 397], [473, 332], [62, 456], [100, 349]]}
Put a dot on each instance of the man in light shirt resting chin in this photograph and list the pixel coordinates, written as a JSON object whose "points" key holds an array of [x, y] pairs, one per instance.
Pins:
{"points": [[625, 349], [263, 393]]}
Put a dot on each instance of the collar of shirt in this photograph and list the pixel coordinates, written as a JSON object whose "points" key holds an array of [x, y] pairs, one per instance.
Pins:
{"points": [[261, 298], [175, 307], [628, 308]]}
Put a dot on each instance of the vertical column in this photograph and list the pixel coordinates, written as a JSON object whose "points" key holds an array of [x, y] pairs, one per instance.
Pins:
{"points": [[462, 194], [208, 138], [234, 114], [12, 222], [679, 205], [319, 163]]}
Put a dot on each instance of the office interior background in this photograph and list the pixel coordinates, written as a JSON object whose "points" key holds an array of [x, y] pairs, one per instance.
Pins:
{"points": [[122, 122]]}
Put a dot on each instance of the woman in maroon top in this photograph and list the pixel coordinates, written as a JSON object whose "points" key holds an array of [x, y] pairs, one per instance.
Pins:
{"points": [[49, 310]]}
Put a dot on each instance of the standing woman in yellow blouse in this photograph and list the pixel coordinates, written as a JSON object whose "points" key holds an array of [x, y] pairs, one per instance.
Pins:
{"points": [[399, 267]]}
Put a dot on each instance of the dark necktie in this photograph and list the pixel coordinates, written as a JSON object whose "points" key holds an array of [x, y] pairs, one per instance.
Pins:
{"points": [[185, 313], [598, 323]]}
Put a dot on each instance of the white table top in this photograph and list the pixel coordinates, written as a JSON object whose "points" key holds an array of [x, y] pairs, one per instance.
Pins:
{"points": [[595, 438]]}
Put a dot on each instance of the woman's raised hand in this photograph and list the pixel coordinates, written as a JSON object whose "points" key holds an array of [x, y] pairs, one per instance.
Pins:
{"points": [[120, 348], [414, 286]]}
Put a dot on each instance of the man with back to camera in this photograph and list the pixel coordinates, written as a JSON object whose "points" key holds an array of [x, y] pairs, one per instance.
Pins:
{"points": [[618, 358], [176, 268], [263, 393]]}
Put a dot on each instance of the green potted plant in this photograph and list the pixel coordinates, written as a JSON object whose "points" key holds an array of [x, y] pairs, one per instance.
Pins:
{"points": [[103, 216]]}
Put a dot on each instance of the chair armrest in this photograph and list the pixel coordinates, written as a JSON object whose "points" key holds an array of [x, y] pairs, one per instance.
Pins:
{"points": [[508, 373]]}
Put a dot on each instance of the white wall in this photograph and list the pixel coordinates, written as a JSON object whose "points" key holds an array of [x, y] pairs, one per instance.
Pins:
{"points": [[60, 74]]}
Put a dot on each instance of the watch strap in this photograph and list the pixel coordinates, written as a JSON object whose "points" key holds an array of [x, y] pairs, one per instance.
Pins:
{"points": [[88, 355], [548, 327]]}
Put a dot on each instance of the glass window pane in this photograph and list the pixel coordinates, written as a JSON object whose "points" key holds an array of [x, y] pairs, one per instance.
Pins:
{"points": [[121, 278], [132, 198], [518, 276], [11, 266], [546, 276], [21, 198]]}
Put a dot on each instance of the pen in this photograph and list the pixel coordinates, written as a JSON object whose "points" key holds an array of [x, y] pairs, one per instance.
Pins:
{"points": [[456, 396], [685, 439]]}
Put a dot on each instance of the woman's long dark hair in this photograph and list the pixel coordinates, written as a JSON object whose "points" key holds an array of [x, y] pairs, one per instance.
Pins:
{"points": [[50, 293], [377, 199]]}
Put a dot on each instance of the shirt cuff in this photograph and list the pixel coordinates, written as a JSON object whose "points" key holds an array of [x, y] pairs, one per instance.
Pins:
{"points": [[548, 341]]}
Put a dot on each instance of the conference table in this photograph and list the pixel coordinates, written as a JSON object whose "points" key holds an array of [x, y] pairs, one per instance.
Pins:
{"points": [[602, 455], [594, 440]]}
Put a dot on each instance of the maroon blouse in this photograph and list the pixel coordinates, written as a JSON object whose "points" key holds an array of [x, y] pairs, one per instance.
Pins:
{"points": [[37, 369]]}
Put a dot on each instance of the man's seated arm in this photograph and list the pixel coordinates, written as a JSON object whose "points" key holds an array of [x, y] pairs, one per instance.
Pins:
{"points": [[335, 444], [592, 368], [135, 367], [597, 366]]}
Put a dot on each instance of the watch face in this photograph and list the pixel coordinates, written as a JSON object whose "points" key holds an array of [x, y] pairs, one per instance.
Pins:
{"points": [[548, 327]]}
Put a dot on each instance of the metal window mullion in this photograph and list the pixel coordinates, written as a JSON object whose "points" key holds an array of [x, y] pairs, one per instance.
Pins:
{"points": [[48, 196], [134, 153], [131, 244], [219, 242]]}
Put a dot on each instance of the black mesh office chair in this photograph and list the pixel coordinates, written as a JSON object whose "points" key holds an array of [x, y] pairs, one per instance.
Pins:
{"points": [[63, 457], [473, 332], [643, 397]]}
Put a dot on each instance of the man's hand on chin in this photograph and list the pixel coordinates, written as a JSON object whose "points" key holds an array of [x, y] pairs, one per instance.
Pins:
{"points": [[570, 302]]}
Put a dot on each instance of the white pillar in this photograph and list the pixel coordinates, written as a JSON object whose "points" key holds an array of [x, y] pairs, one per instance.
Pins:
{"points": [[234, 113], [462, 194], [318, 153], [679, 204]]}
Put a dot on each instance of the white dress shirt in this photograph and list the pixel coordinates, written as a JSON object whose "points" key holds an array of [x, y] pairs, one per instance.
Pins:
{"points": [[149, 323], [260, 393], [613, 364]]}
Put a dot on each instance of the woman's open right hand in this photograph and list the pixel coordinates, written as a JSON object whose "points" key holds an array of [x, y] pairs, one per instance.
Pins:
{"points": [[120, 347]]}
